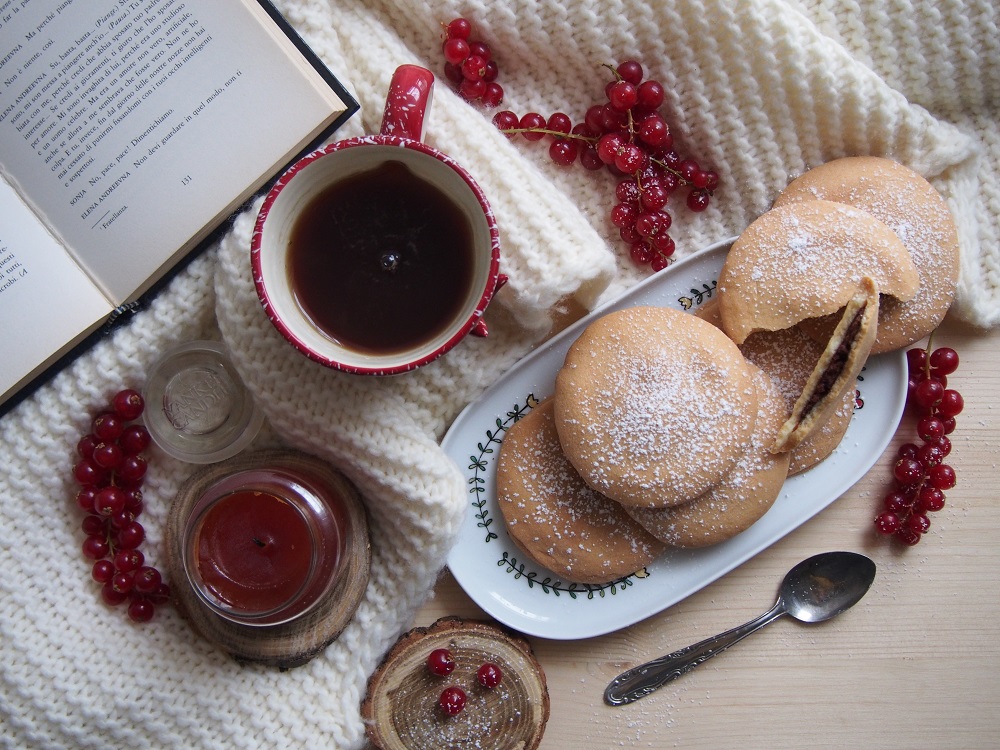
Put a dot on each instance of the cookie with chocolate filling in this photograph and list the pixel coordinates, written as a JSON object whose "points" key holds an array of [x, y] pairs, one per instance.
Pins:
{"points": [[838, 367], [788, 356], [910, 206], [653, 406], [805, 260], [554, 517]]}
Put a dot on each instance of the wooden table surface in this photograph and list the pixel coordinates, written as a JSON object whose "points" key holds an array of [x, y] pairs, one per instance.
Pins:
{"points": [[916, 664]]}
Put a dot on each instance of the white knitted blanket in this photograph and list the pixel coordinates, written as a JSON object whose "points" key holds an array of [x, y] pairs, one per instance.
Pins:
{"points": [[757, 89]]}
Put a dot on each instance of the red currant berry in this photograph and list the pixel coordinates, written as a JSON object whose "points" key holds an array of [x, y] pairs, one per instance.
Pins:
{"points": [[930, 499], [887, 522], [108, 501], [132, 469], [489, 675], [108, 427], [944, 360], [86, 446], [559, 122], [641, 253], [941, 476], [103, 571], [624, 214], [698, 200], [123, 582], [630, 158], [85, 499], [928, 393], [107, 455], [459, 28], [95, 547], [474, 68], [589, 158], [918, 523], [627, 191], [951, 403], [896, 502], [659, 262], [128, 560], [622, 96], [929, 455], [907, 471], [609, 146], [440, 662], [128, 404], [650, 94], [135, 439], [492, 95], [453, 73], [630, 71], [112, 597], [452, 700], [131, 536], [471, 89], [929, 428], [506, 120], [943, 443], [147, 580], [94, 526], [532, 122], [455, 50], [141, 610], [916, 361], [88, 473]]}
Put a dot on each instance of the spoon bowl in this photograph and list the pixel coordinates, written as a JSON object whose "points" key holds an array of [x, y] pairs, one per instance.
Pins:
{"points": [[816, 589]]}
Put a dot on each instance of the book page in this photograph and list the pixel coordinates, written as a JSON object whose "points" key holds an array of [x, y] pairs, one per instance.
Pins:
{"points": [[133, 126], [46, 300]]}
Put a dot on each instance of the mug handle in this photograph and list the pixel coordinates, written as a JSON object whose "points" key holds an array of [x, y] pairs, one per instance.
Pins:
{"points": [[408, 101]]}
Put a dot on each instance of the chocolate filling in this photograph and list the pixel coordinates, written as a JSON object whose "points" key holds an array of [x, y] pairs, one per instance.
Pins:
{"points": [[837, 363]]}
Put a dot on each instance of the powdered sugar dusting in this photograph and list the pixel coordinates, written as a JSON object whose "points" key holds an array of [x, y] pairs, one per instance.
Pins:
{"points": [[654, 406], [805, 260], [555, 517], [744, 494]]}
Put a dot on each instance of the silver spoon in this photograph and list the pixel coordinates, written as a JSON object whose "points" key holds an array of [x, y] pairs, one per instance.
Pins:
{"points": [[814, 590]]}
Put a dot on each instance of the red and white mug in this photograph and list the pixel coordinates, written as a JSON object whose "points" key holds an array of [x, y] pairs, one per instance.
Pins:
{"points": [[304, 182]]}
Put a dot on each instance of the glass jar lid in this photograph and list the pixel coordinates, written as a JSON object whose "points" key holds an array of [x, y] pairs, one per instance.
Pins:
{"points": [[197, 407]]}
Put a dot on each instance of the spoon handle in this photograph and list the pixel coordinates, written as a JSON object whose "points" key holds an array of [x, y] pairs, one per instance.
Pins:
{"points": [[640, 681]]}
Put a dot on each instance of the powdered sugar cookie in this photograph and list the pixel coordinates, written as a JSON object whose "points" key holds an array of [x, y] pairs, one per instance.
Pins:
{"points": [[805, 260], [906, 202], [554, 517], [654, 406], [742, 497]]}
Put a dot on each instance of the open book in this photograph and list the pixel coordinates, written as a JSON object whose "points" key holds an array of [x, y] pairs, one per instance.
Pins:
{"points": [[130, 131]]}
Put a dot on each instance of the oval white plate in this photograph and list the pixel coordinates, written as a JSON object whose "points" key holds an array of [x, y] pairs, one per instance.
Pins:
{"points": [[528, 598]]}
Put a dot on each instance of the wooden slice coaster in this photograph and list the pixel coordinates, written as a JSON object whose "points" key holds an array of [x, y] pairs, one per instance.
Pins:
{"points": [[401, 710], [293, 643]]}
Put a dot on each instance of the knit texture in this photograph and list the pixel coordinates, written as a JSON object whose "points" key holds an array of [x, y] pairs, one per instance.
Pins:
{"points": [[759, 90]]}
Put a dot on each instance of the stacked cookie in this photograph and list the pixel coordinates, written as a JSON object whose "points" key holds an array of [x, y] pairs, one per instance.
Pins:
{"points": [[668, 428]]}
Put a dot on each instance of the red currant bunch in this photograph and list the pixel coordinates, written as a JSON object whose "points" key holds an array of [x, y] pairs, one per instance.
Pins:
{"points": [[111, 469], [920, 474], [469, 65], [626, 134]]}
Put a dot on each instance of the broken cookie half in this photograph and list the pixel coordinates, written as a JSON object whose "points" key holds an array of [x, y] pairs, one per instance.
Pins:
{"points": [[845, 354]]}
